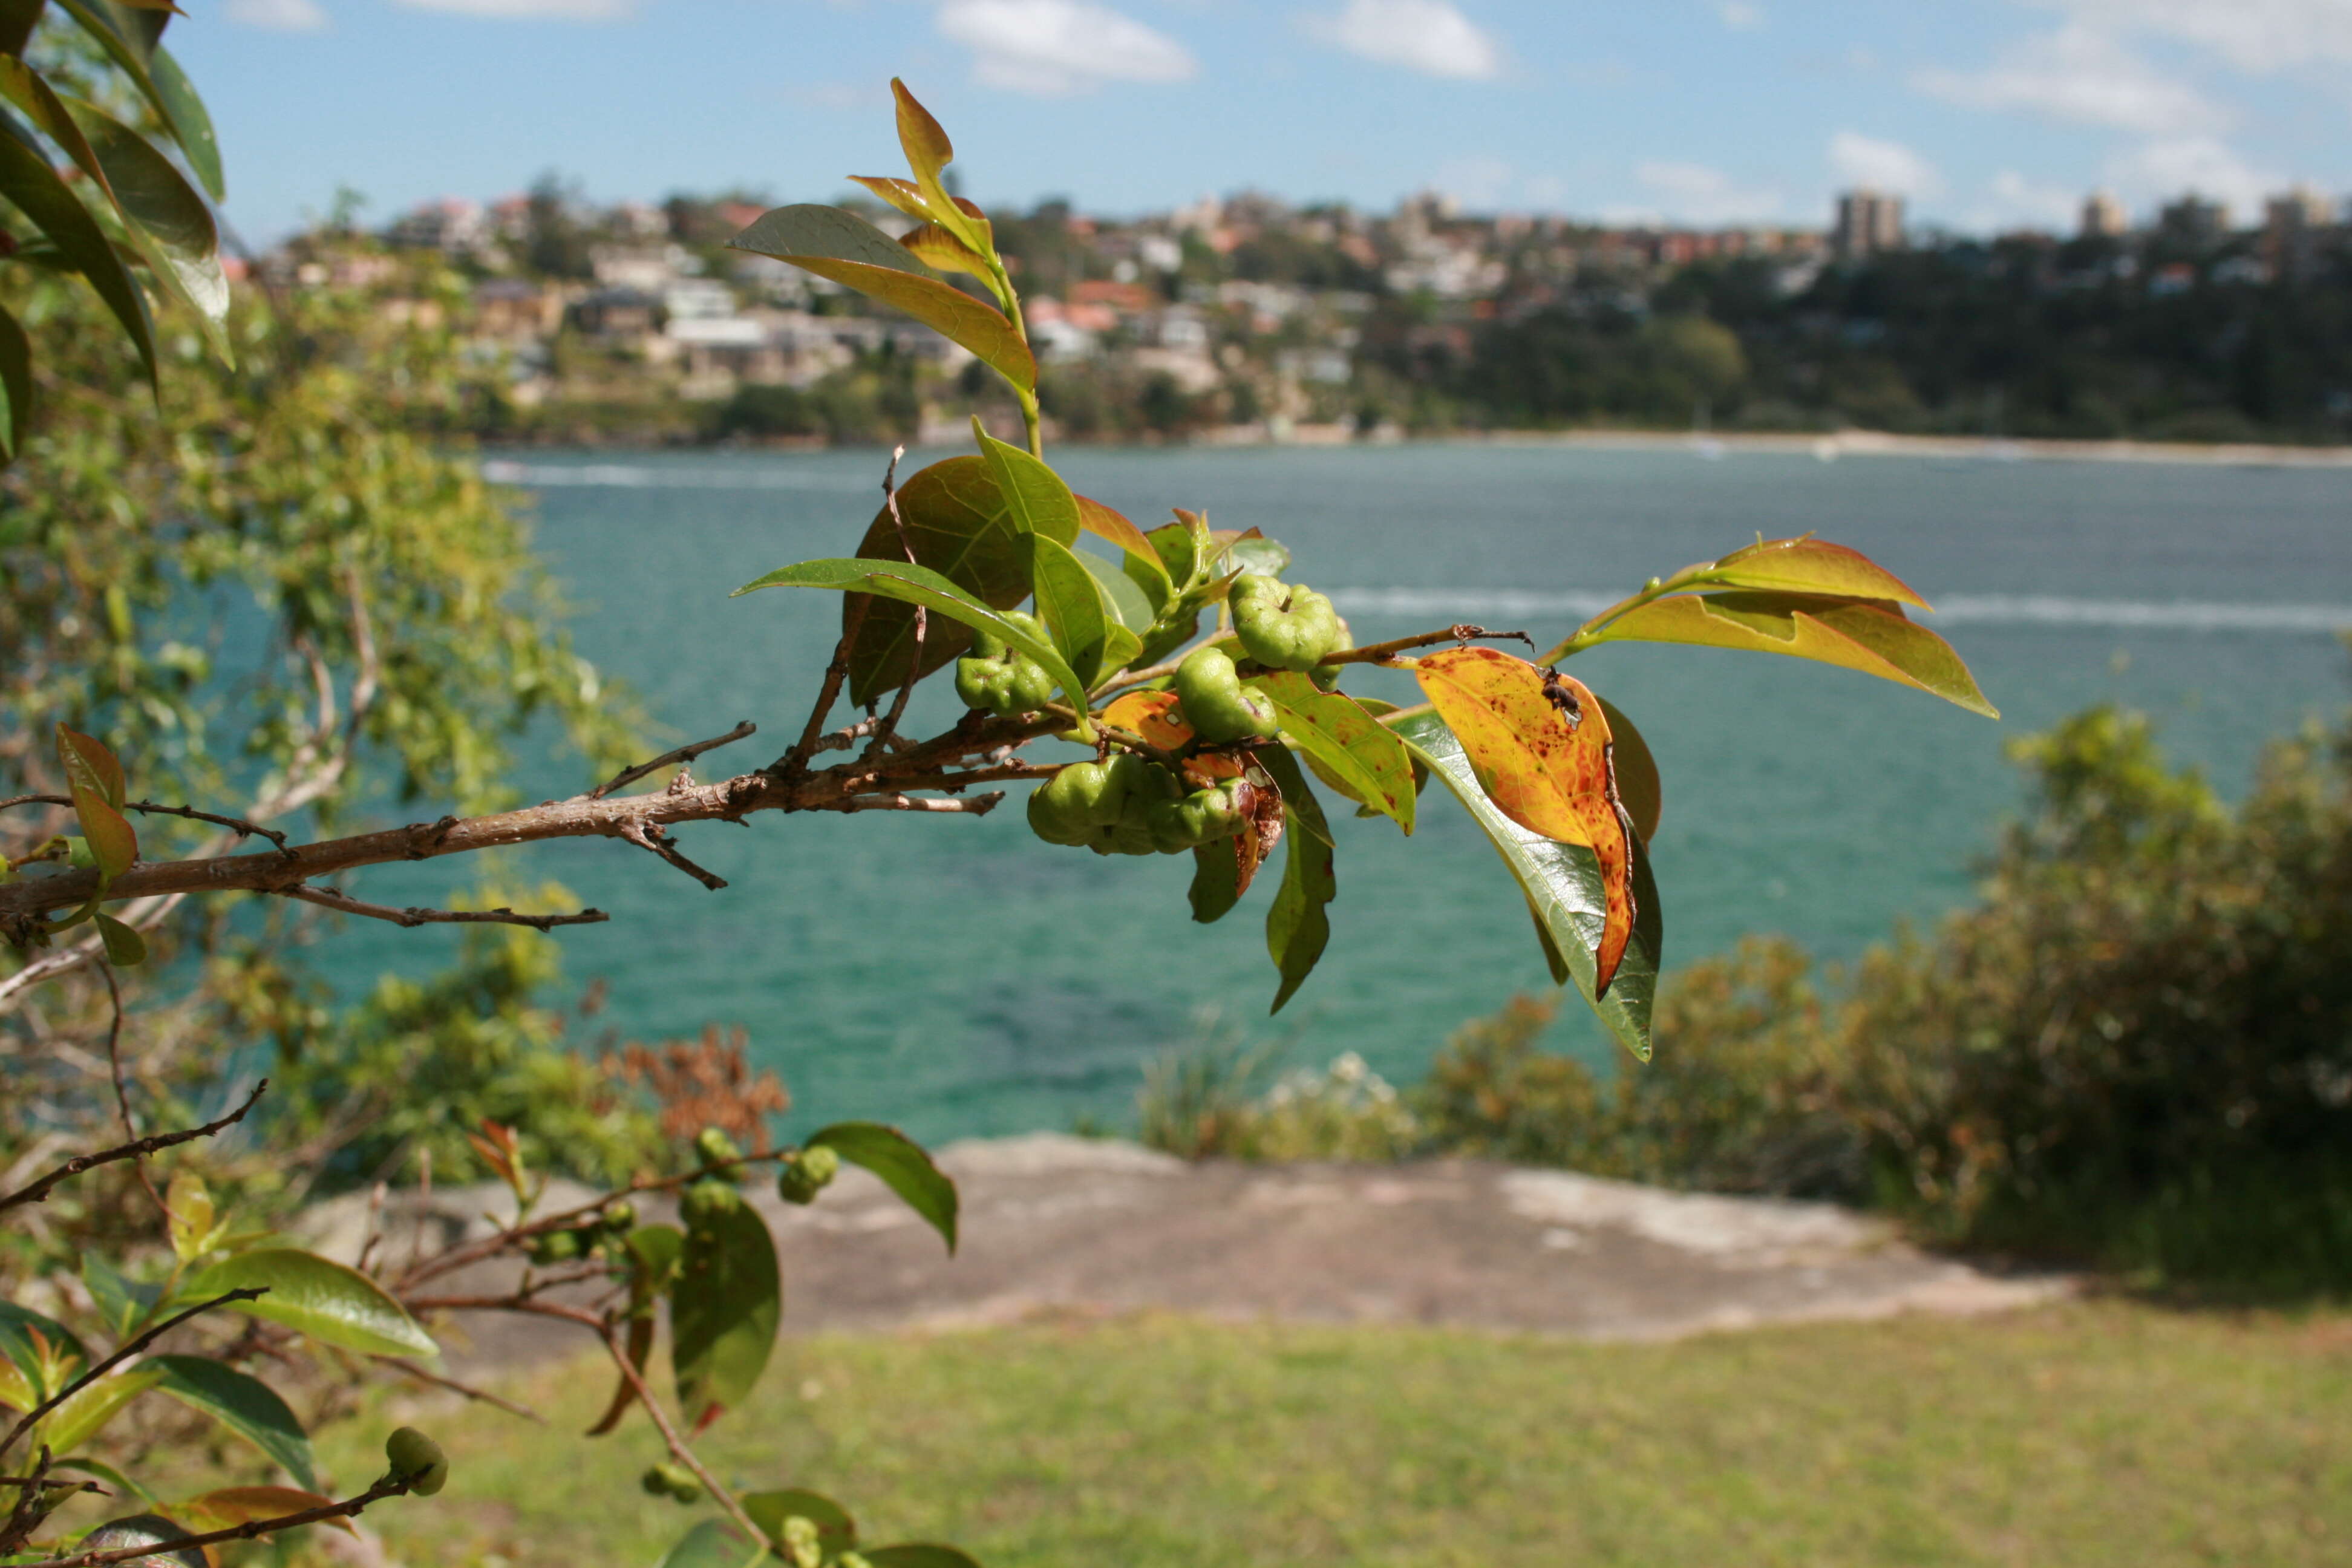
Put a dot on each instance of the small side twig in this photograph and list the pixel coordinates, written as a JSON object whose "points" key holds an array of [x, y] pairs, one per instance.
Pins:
{"points": [[1381, 652], [480, 1395], [683, 755], [123, 1352], [236, 825], [139, 1149], [121, 1090], [328, 898], [794, 762], [655, 841], [252, 1529], [974, 805], [888, 728]]}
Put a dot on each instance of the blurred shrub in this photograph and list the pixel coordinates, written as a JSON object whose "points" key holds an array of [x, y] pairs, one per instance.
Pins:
{"points": [[1202, 1101]]}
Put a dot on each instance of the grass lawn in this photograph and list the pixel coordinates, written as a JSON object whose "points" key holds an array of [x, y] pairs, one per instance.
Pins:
{"points": [[2099, 1432]]}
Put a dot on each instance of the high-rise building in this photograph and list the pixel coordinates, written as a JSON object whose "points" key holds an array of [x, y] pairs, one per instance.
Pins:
{"points": [[1868, 223], [2103, 217], [2292, 226], [2195, 218]]}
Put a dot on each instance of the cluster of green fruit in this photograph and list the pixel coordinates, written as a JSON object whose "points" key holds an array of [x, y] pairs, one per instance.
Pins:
{"points": [[604, 1235], [671, 1480], [802, 1175], [1128, 804]]}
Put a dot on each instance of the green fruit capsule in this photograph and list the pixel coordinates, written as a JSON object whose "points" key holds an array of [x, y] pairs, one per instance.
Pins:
{"points": [[620, 1216], [416, 1460], [803, 1542], [1103, 806], [807, 1173], [1001, 679], [707, 1200], [556, 1246], [1282, 625], [1216, 704], [671, 1482], [716, 1148], [1202, 817]]}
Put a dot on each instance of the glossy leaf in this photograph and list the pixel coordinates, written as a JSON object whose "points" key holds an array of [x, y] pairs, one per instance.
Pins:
{"points": [[124, 1485], [1177, 550], [1540, 747], [1812, 566], [1126, 600], [16, 385], [957, 522], [928, 152], [1639, 788], [935, 247], [1139, 563], [171, 226], [1035, 498], [919, 585], [330, 1303], [1253, 552], [724, 1309], [123, 1303], [1298, 926], [232, 1506], [84, 1413], [243, 1404], [836, 1530], [192, 126], [850, 251], [903, 194], [918, 1554], [1371, 765], [193, 1228], [903, 1165], [42, 1355], [1872, 639], [1216, 881], [1070, 603], [1563, 886], [714, 1543]]}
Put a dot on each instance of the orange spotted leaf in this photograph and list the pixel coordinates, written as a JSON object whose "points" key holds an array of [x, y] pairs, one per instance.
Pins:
{"points": [[233, 1506], [1541, 749]]}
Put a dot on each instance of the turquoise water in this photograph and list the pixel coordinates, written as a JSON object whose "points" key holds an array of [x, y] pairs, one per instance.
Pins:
{"points": [[957, 976]]}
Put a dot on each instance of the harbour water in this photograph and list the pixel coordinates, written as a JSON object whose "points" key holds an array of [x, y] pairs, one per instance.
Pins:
{"points": [[957, 976]]}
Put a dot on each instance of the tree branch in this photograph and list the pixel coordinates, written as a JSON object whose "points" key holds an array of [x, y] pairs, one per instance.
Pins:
{"points": [[1381, 652], [39, 1191], [683, 755], [251, 1529], [423, 1374], [655, 841], [236, 825], [123, 1352], [328, 898]]}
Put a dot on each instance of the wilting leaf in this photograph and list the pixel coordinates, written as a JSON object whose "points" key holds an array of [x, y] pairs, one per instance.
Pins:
{"points": [[1539, 745], [1154, 715], [919, 585], [1371, 765], [333, 1304], [1875, 639], [1563, 886], [243, 1404], [903, 1165], [724, 1309]]}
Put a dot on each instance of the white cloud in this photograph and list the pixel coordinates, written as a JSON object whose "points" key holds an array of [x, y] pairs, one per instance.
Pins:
{"points": [[1890, 166], [1693, 192], [532, 10], [2018, 200], [1741, 16], [277, 16], [1055, 48], [2081, 73], [2252, 34], [1428, 35], [2163, 169]]}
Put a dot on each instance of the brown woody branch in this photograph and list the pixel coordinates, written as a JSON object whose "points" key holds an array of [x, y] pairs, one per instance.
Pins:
{"points": [[328, 898], [1381, 652], [423, 1374], [39, 1191], [252, 1529], [683, 755], [236, 825], [655, 840]]}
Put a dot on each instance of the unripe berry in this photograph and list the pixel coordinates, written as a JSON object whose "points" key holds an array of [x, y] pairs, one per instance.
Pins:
{"points": [[807, 1173], [716, 1148], [707, 1200], [416, 1460]]}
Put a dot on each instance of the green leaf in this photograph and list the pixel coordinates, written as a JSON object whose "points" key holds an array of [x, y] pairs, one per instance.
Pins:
{"points": [[330, 1303], [1639, 789], [924, 143], [170, 223], [17, 19], [1298, 926], [125, 948], [957, 522], [902, 1163], [1562, 884], [84, 1413], [654, 1254], [724, 1309], [94, 779], [109, 1474], [919, 585], [1127, 599], [23, 1334], [1071, 605], [1875, 639], [836, 1530], [1216, 882], [122, 1302], [1141, 563], [192, 127], [1034, 496], [1253, 552], [850, 251], [1371, 765], [244, 1404], [714, 1543], [26, 179], [16, 385], [918, 1554], [1811, 567]]}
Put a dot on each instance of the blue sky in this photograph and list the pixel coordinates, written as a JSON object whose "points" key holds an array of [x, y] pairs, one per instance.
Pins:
{"points": [[1988, 113]]}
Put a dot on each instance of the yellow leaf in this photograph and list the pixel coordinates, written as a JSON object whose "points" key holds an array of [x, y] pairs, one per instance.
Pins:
{"points": [[1875, 638], [1812, 566], [1541, 749]]}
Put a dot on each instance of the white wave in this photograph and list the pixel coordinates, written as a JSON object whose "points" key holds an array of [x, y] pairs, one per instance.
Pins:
{"points": [[625, 476], [1983, 609]]}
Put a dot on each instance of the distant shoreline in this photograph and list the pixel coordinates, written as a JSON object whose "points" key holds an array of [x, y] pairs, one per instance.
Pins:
{"points": [[1876, 444]]}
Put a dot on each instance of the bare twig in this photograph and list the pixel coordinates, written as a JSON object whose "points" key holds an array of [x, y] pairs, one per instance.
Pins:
{"points": [[1381, 652], [677, 1448], [683, 755], [655, 840], [123, 1352], [39, 1190], [236, 825], [889, 725], [122, 1092], [422, 1374], [792, 764], [328, 898], [975, 805], [252, 1529]]}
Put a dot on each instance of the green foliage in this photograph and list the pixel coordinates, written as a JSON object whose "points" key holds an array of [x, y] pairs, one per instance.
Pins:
{"points": [[407, 1077]]}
